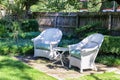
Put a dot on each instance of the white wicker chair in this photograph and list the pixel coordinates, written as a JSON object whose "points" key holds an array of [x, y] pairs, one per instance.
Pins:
{"points": [[83, 54], [45, 42]]}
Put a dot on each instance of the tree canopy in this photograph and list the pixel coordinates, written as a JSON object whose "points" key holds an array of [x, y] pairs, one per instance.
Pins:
{"points": [[54, 5], [70, 5]]}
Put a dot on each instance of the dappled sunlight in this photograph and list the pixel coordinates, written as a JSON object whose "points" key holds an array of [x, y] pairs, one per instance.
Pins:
{"points": [[11, 69]]}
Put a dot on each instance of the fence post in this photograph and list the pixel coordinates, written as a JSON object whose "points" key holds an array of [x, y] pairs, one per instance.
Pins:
{"points": [[109, 22], [77, 20], [55, 25]]}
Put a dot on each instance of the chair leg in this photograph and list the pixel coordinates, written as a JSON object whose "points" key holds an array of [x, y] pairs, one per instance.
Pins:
{"points": [[81, 70], [80, 66], [61, 60], [69, 65], [95, 68]]}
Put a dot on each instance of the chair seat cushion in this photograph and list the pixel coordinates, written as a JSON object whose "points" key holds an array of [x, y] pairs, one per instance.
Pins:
{"points": [[43, 46], [75, 53]]}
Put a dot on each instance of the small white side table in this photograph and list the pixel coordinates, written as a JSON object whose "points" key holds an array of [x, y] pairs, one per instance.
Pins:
{"points": [[60, 51]]}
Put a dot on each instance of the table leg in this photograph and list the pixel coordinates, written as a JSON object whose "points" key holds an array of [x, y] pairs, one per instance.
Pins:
{"points": [[61, 60]]}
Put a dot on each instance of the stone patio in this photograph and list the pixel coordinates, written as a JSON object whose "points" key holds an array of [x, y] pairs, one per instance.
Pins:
{"points": [[62, 73]]}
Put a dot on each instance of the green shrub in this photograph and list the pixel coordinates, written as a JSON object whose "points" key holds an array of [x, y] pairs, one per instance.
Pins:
{"points": [[109, 60], [66, 42], [7, 24], [4, 49], [2, 30], [11, 47], [4, 21], [26, 47], [88, 29], [23, 45], [111, 44], [29, 34], [14, 49], [29, 25], [25, 35]]}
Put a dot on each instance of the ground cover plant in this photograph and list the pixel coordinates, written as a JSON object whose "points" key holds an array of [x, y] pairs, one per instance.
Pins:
{"points": [[12, 69], [11, 47], [21, 45]]}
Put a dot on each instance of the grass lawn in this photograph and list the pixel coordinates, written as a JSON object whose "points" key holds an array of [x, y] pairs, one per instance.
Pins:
{"points": [[104, 76], [11, 69]]}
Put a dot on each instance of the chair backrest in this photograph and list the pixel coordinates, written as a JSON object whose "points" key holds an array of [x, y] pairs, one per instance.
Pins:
{"points": [[97, 37], [51, 35]]}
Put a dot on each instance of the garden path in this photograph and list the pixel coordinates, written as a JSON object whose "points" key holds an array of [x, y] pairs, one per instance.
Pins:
{"points": [[60, 72]]}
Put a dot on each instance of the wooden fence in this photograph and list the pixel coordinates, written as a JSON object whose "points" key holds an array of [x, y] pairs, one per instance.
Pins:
{"points": [[67, 21]]}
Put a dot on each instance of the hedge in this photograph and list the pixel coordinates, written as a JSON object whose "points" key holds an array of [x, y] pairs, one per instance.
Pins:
{"points": [[111, 44], [29, 25]]}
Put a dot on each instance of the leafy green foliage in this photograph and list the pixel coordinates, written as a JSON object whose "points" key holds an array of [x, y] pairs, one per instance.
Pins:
{"points": [[2, 30], [111, 45], [67, 5], [94, 5], [23, 35], [29, 25], [5, 27], [28, 35], [8, 27], [109, 60], [24, 44], [19, 8], [86, 30], [11, 47], [56, 6], [15, 29], [65, 42]]}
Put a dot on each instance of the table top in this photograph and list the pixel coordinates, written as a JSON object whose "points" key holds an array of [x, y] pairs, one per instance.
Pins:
{"points": [[61, 49]]}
